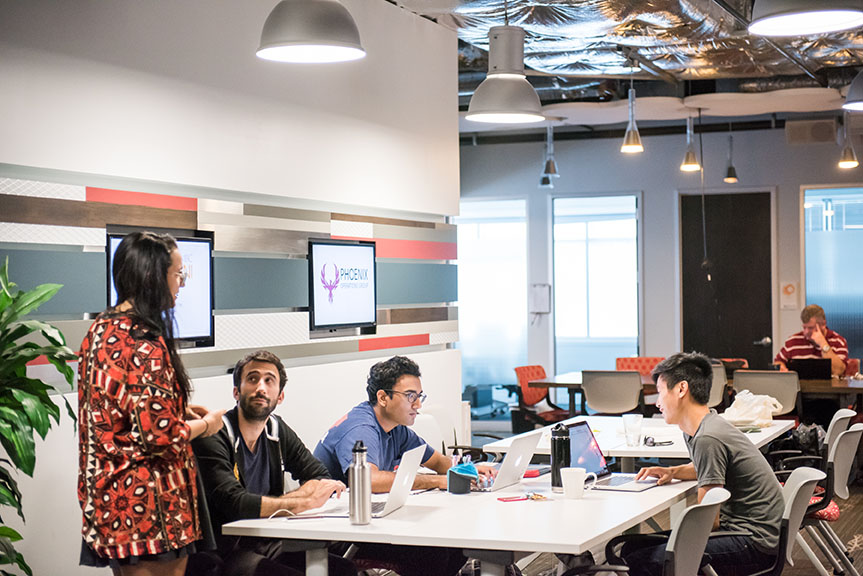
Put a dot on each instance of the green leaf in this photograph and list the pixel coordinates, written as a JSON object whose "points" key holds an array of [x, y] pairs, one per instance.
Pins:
{"points": [[24, 303], [7, 551], [16, 436], [19, 560], [9, 533], [35, 410]]}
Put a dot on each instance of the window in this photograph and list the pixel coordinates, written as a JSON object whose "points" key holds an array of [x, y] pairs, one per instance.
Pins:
{"points": [[492, 290], [595, 281], [833, 231]]}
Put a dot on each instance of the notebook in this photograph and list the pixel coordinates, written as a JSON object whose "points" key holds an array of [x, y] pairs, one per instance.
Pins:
{"points": [[515, 462], [585, 453], [811, 368], [398, 495]]}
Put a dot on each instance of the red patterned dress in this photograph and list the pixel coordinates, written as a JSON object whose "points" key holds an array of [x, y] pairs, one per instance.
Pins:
{"points": [[136, 477]]}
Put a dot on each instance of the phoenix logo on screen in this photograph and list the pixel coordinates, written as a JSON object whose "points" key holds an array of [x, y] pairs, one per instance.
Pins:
{"points": [[330, 285]]}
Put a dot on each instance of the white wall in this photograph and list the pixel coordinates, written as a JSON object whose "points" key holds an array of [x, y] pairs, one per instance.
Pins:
{"points": [[762, 159], [174, 93]]}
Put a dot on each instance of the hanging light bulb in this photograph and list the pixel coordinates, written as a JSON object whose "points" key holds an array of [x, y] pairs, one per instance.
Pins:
{"points": [[854, 96], [550, 168], [848, 159], [505, 96], [632, 139], [310, 31], [730, 172], [804, 17], [545, 181], [690, 160]]}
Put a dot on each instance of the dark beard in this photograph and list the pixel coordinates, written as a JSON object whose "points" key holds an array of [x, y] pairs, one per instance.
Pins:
{"points": [[252, 412]]}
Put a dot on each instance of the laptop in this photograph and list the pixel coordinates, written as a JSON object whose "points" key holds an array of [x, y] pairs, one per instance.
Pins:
{"points": [[398, 495], [811, 368], [515, 462], [585, 453]]}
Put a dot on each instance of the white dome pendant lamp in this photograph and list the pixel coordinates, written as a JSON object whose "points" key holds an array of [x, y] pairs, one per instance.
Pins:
{"points": [[310, 31]]}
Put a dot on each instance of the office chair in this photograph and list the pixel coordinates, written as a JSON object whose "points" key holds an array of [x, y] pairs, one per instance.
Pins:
{"points": [[823, 509], [612, 392], [784, 386], [529, 398], [684, 545], [718, 387]]}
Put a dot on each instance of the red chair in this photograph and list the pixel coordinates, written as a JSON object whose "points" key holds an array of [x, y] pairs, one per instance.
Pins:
{"points": [[852, 367], [644, 365], [528, 415]]}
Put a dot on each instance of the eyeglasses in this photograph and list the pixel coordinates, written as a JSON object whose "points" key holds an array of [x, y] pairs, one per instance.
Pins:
{"points": [[410, 395], [183, 276], [650, 441]]}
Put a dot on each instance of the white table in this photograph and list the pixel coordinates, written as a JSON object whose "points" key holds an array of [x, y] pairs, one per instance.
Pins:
{"points": [[480, 524], [612, 441]]}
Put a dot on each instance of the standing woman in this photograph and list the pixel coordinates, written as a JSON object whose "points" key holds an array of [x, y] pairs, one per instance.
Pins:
{"points": [[137, 473]]}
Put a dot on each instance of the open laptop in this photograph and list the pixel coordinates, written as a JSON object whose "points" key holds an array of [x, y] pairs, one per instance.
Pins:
{"points": [[585, 453], [811, 368], [515, 462], [398, 495]]}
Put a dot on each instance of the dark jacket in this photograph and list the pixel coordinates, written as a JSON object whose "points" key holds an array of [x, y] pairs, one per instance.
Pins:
{"points": [[221, 467]]}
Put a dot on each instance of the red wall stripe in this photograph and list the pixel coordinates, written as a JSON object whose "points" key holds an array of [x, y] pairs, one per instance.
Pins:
{"points": [[141, 199], [393, 342], [416, 249]]}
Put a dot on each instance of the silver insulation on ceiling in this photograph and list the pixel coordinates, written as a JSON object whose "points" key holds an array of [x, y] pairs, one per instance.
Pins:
{"points": [[679, 39]]}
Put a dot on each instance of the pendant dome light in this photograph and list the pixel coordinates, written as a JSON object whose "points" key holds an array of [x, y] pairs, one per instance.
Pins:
{"points": [[632, 139], [848, 158], [854, 97], [310, 31], [550, 168], [730, 172], [804, 17], [505, 96], [690, 160]]}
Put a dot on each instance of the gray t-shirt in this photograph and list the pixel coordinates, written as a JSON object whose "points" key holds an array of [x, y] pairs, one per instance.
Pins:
{"points": [[723, 455]]}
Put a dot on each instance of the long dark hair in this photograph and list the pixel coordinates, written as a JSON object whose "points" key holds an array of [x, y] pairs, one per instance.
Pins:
{"points": [[140, 271]]}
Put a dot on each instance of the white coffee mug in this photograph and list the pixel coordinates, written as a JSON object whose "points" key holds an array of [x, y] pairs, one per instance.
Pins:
{"points": [[574, 482]]}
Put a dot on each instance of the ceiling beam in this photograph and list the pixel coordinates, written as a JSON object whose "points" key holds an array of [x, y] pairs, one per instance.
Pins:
{"points": [[632, 54]]}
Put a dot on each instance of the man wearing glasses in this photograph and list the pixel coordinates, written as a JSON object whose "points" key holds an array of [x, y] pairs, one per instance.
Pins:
{"points": [[395, 398]]}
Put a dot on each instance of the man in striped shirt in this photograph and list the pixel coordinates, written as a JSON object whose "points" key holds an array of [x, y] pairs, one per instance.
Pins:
{"points": [[815, 340]]}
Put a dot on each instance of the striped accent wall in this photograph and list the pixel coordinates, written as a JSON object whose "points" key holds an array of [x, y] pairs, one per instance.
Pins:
{"points": [[56, 233]]}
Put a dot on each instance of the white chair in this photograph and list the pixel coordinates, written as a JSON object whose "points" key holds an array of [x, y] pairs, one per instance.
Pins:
{"points": [[684, 549], [611, 391], [784, 386], [817, 523], [717, 388]]}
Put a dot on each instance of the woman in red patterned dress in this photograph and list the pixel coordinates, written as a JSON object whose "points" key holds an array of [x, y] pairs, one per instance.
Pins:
{"points": [[137, 473]]}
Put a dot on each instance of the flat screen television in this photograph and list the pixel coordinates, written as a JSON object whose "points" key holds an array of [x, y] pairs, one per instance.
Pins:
{"points": [[342, 284], [194, 308]]}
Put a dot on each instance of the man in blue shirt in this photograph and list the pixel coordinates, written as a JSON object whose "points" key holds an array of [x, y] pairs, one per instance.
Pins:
{"points": [[395, 397]]}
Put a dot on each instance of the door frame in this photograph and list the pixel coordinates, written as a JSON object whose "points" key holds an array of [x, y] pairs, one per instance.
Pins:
{"points": [[678, 268]]}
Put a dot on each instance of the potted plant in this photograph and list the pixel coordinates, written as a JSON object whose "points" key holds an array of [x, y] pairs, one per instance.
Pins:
{"points": [[25, 404]]}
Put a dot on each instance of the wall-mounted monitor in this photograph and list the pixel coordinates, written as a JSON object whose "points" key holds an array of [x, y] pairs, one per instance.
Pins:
{"points": [[342, 285], [194, 308]]}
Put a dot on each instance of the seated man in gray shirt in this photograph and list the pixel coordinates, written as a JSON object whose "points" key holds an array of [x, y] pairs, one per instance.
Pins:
{"points": [[721, 457]]}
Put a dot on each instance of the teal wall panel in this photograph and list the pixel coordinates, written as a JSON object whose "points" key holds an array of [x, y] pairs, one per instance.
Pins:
{"points": [[409, 283], [242, 283], [81, 273]]}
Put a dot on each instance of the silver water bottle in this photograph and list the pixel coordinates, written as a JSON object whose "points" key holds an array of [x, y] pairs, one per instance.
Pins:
{"points": [[360, 484]]}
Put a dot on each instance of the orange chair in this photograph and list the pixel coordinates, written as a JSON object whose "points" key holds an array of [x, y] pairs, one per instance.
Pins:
{"points": [[528, 398], [644, 365]]}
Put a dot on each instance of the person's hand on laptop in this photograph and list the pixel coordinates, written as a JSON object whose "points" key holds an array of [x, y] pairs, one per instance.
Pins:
{"points": [[319, 491], [488, 472], [663, 475]]}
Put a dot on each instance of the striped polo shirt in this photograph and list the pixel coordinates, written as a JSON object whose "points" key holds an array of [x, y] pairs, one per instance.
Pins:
{"points": [[797, 346]]}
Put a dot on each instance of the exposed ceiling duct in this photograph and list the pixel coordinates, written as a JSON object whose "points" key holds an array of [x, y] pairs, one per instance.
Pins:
{"points": [[580, 49]]}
